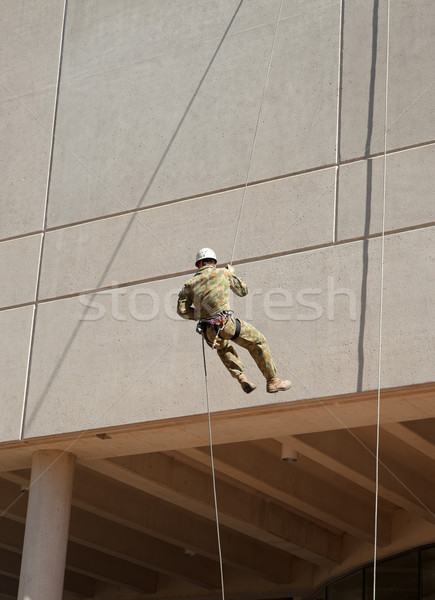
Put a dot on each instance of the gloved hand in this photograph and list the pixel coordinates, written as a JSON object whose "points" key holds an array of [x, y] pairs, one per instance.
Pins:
{"points": [[230, 269]]}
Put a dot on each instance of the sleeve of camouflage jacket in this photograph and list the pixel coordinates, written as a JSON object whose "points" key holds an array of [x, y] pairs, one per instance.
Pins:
{"points": [[184, 305], [237, 286]]}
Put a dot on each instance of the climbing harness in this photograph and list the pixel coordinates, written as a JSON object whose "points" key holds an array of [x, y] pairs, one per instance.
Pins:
{"points": [[238, 329], [218, 322]]}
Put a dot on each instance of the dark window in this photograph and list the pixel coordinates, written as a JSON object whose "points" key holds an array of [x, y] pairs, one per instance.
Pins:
{"points": [[428, 574], [396, 579], [349, 588], [410, 576]]}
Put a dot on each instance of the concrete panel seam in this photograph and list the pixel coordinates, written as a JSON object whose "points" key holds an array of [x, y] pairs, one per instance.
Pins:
{"points": [[420, 226], [389, 232], [343, 242], [219, 191], [192, 197], [41, 251], [21, 236], [392, 151], [240, 186], [338, 136], [237, 187], [14, 306]]}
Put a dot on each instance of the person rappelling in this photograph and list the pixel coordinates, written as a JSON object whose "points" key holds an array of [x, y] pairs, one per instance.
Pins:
{"points": [[206, 298]]}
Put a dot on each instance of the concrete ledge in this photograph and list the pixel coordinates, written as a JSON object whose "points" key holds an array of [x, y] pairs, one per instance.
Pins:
{"points": [[405, 404]]}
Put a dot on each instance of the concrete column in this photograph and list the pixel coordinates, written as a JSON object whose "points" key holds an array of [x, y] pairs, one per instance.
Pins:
{"points": [[47, 522]]}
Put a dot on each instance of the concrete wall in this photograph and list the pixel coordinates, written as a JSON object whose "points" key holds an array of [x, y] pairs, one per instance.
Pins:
{"points": [[154, 117]]}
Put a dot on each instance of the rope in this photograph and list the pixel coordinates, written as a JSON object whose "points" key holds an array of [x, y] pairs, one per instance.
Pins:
{"points": [[213, 474], [231, 262], [381, 302], [256, 131]]}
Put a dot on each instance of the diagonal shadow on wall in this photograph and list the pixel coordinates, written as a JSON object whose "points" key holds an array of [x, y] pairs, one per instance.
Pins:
{"points": [[369, 195], [27, 419]]}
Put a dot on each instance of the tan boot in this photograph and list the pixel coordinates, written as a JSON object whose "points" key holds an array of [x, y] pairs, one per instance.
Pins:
{"points": [[275, 384], [247, 386]]}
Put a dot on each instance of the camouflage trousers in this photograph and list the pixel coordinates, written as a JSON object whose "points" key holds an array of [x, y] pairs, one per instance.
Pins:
{"points": [[249, 338]]}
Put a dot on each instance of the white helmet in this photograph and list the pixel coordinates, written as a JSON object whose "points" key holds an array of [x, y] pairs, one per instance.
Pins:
{"points": [[205, 253]]}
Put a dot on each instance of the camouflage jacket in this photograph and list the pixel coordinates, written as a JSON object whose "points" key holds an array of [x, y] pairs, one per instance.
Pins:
{"points": [[208, 293]]}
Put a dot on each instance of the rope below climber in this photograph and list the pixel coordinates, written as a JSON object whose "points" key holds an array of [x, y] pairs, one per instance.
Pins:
{"points": [[205, 298]]}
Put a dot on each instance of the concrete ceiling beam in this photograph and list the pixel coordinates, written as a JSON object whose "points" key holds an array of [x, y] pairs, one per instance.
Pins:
{"points": [[354, 457], [247, 513], [78, 583], [418, 434], [141, 549], [338, 508], [119, 541], [101, 496]]}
